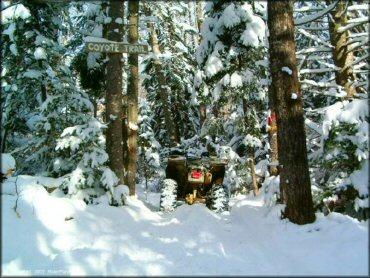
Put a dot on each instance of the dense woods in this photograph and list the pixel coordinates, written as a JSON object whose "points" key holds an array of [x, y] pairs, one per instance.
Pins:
{"points": [[279, 89]]}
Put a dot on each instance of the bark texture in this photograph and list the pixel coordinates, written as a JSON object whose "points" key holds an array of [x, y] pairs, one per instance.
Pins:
{"points": [[132, 98], [294, 174], [274, 154], [163, 88], [202, 106], [342, 55], [113, 80]]}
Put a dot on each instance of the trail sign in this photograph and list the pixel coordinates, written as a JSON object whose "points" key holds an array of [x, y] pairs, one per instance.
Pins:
{"points": [[116, 47]]}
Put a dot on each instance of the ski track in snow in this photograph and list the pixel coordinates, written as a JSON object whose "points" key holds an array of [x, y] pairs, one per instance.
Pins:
{"points": [[138, 240]]}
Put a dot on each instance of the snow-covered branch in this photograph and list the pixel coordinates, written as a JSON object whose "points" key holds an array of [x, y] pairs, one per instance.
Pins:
{"points": [[349, 27], [316, 70], [314, 49], [313, 17], [315, 38], [357, 61], [359, 7]]}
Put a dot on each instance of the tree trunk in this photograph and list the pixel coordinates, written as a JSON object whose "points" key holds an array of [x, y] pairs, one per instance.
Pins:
{"points": [[133, 98], [189, 38], [125, 135], [163, 87], [199, 18], [250, 153], [294, 174], [203, 113], [113, 78], [3, 139], [342, 55], [202, 106], [253, 171], [274, 153], [273, 139]]}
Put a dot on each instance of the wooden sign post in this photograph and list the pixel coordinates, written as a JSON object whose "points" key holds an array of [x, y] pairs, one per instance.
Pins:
{"points": [[116, 47]]}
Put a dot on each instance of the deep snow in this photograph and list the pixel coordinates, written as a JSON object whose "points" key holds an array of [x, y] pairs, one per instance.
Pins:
{"points": [[55, 235]]}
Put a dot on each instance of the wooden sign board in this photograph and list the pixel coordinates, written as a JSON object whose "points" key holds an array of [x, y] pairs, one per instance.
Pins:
{"points": [[117, 47]]}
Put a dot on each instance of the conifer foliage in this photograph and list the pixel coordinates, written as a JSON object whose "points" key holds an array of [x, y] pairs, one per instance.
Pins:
{"points": [[63, 137], [230, 77]]}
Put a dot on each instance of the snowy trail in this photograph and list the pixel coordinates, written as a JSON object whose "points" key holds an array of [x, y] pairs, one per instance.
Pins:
{"points": [[135, 240]]}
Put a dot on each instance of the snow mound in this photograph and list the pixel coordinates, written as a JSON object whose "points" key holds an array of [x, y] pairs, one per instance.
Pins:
{"points": [[7, 163]]}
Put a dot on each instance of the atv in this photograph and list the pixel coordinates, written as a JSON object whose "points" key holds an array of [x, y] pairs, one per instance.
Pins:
{"points": [[192, 180]]}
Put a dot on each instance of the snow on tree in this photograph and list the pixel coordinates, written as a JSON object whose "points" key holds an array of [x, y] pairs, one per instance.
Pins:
{"points": [[64, 139], [331, 53], [232, 42], [177, 64], [148, 145], [86, 19]]}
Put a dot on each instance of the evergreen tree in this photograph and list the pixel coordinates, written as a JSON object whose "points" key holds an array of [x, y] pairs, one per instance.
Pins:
{"points": [[149, 148], [326, 83], [86, 19], [232, 43], [64, 139], [177, 65]]}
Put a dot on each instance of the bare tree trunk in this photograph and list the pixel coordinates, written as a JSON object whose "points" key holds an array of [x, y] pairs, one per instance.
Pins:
{"points": [[273, 139], [3, 139], [202, 106], [125, 134], [342, 55], [133, 98], [274, 151], [294, 174], [113, 80], [274, 154], [199, 18], [163, 87], [253, 171]]}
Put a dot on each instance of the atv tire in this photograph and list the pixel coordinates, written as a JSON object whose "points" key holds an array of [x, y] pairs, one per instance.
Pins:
{"points": [[217, 198], [168, 198]]}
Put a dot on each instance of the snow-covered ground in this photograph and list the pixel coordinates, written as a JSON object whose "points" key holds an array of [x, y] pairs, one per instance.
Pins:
{"points": [[53, 235]]}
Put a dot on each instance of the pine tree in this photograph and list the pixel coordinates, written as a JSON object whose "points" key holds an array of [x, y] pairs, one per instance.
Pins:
{"points": [[65, 139], [335, 160], [232, 44], [86, 20], [47, 83], [177, 66], [149, 148]]}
